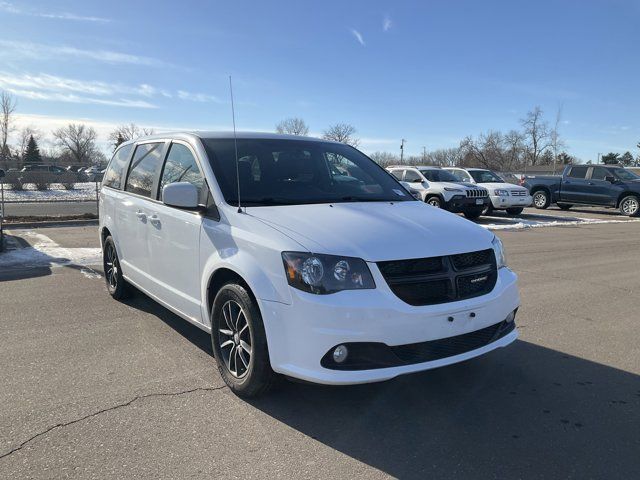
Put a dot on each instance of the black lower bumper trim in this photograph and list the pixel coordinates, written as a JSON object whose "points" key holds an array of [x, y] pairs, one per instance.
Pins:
{"points": [[371, 355]]}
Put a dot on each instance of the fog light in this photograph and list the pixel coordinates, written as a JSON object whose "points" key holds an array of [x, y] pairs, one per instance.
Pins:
{"points": [[511, 317], [340, 354]]}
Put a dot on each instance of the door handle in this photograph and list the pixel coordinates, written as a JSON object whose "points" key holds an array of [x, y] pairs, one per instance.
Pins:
{"points": [[141, 215], [154, 219]]}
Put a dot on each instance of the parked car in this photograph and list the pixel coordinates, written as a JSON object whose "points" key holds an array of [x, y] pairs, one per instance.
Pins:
{"points": [[439, 188], [503, 195], [43, 168], [296, 274], [598, 185]]}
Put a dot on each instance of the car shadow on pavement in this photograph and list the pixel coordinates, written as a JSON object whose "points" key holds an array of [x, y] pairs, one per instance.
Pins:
{"points": [[521, 412]]}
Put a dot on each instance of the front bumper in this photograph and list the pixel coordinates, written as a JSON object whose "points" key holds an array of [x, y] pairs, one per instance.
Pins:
{"points": [[462, 203], [299, 335], [502, 203]]}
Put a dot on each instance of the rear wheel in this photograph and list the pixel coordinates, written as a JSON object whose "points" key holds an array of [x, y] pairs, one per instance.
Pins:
{"points": [[564, 206], [630, 206], [239, 342], [541, 199], [473, 213], [434, 202], [116, 284], [515, 210]]}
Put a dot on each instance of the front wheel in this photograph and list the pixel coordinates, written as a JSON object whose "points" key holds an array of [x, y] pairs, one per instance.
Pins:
{"points": [[541, 199], [240, 343], [116, 284], [515, 210], [630, 206], [473, 213], [434, 202], [488, 209]]}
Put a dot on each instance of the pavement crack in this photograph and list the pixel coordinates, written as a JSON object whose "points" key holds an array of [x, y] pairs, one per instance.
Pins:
{"points": [[105, 410]]}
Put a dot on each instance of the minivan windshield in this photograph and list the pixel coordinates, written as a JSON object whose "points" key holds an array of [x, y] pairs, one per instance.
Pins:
{"points": [[437, 175], [485, 176], [294, 172]]}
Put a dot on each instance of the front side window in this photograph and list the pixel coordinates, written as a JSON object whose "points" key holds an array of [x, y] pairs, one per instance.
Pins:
{"points": [[411, 176], [113, 175], [485, 176], [294, 172], [437, 175], [578, 172], [181, 166], [145, 165]]}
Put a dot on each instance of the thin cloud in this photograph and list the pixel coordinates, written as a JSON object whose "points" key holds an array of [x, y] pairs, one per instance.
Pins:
{"points": [[358, 36], [16, 10], [9, 48], [386, 24], [197, 97], [73, 98]]}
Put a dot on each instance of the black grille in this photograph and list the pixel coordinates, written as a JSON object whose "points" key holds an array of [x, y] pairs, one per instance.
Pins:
{"points": [[433, 280], [448, 347]]}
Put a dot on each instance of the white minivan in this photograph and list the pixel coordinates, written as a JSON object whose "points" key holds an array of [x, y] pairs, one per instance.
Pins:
{"points": [[302, 257]]}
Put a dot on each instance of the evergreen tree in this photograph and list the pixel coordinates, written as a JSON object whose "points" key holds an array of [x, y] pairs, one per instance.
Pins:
{"points": [[626, 159], [32, 153], [611, 158]]}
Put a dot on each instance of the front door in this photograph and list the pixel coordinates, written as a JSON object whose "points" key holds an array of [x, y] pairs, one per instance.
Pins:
{"points": [[174, 237], [575, 187], [602, 191]]}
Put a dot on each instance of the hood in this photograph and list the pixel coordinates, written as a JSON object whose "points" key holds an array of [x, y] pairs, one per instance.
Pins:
{"points": [[501, 186], [455, 185], [376, 231]]}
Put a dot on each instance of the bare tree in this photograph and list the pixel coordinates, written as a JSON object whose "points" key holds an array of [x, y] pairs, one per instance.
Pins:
{"points": [[78, 141], [343, 133], [124, 133], [293, 126], [8, 106], [23, 138], [556, 142], [537, 134], [384, 159]]}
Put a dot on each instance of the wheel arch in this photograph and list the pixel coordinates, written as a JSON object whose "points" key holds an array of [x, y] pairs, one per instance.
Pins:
{"points": [[624, 194]]}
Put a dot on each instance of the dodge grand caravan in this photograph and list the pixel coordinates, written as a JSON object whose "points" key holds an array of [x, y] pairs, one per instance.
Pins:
{"points": [[302, 258]]}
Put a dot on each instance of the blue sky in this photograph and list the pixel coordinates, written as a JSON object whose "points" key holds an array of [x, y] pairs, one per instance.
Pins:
{"points": [[429, 72]]}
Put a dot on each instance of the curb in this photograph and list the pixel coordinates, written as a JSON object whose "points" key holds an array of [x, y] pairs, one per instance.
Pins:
{"points": [[47, 224]]}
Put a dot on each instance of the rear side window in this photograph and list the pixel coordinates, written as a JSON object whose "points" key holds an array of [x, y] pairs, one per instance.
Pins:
{"points": [[181, 166], [113, 175], [578, 172], [144, 167]]}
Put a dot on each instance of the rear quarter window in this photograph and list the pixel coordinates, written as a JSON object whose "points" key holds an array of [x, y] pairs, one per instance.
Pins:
{"points": [[117, 165]]}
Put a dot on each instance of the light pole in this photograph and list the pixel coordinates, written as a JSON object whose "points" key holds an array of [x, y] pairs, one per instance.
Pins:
{"points": [[424, 154], [402, 150]]}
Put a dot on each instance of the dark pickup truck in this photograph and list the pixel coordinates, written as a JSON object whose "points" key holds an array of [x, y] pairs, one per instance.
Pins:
{"points": [[603, 185]]}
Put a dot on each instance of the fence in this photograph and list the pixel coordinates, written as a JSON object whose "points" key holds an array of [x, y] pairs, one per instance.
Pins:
{"points": [[26, 195]]}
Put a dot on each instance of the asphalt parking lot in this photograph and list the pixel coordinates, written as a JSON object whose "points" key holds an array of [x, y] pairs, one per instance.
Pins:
{"points": [[93, 388]]}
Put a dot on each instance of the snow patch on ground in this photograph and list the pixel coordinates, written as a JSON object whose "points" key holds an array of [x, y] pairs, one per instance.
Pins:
{"points": [[82, 192], [44, 252], [521, 224]]}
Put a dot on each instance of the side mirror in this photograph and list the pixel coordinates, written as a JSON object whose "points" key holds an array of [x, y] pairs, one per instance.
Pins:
{"points": [[2, 174], [610, 179], [181, 195]]}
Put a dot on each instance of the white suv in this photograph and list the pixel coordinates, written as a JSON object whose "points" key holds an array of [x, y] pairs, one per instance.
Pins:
{"points": [[302, 258], [440, 189], [503, 195]]}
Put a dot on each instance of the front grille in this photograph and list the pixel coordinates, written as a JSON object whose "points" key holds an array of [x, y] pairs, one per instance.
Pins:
{"points": [[518, 193], [448, 347], [433, 280], [476, 193]]}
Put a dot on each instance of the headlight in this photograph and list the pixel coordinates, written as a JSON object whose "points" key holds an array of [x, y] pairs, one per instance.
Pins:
{"points": [[323, 274], [501, 193], [498, 249], [449, 189]]}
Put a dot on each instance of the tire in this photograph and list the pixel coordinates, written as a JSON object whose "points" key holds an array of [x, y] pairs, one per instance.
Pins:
{"points": [[564, 206], [240, 343], [473, 213], [541, 199], [434, 202], [630, 206], [117, 286], [488, 210], [515, 210]]}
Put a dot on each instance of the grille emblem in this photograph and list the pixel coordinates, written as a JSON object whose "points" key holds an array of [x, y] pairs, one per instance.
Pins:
{"points": [[483, 278]]}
